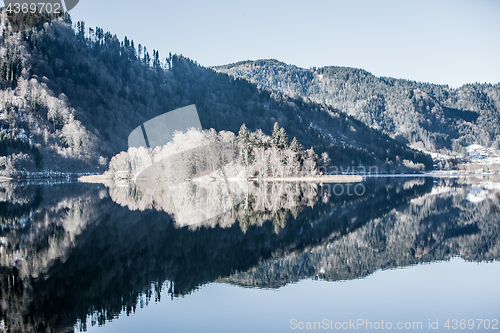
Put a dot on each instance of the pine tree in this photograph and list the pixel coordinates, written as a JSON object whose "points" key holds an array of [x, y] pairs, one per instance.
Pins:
{"points": [[283, 139], [296, 147], [324, 163], [246, 147], [276, 133], [280, 138], [139, 51], [310, 163]]}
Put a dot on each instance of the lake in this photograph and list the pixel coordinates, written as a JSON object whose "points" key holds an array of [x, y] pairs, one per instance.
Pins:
{"points": [[410, 254]]}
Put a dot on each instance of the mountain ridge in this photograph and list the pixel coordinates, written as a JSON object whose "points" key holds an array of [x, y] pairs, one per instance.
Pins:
{"points": [[429, 116]]}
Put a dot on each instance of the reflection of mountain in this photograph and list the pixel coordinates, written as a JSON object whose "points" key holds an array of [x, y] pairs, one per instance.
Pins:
{"points": [[429, 228], [90, 255], [484, 191], [39, 224], [39, 228]]}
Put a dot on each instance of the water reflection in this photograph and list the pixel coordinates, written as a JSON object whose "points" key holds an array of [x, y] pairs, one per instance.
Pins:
{"points": [[72, 250]]}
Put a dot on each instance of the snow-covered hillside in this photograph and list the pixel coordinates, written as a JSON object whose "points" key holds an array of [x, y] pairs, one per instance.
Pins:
{"points": [[481, 155]]}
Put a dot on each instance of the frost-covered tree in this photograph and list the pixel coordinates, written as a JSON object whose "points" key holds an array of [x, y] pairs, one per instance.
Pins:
{"points": [[245, 144], [280, 138]]}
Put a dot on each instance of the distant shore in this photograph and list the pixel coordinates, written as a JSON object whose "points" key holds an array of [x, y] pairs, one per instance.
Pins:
{"points": [[95, 179], [322, 178], [105, 179], [101, 179]]}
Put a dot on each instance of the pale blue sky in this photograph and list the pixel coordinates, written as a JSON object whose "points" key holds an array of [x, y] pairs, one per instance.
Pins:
{"points": [[448, 42]]}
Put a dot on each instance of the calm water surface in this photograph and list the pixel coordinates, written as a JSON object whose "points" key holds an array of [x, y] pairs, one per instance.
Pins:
{"points": [[277, 258]]}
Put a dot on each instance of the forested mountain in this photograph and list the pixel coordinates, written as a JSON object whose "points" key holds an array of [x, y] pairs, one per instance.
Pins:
{"points": [[74, 95], [429, 116]]}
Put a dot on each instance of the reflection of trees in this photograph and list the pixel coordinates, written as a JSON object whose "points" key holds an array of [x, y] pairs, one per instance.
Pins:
{"points": [[44, 222], [433, 227], [114, 256], [275, 201], [15, 204], [119, 256], [208, 202], [43, 228]]}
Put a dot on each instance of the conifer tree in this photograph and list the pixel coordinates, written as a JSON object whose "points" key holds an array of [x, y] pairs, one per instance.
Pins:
{"points": [[296, 147], [280, 138], [246, 148]]}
